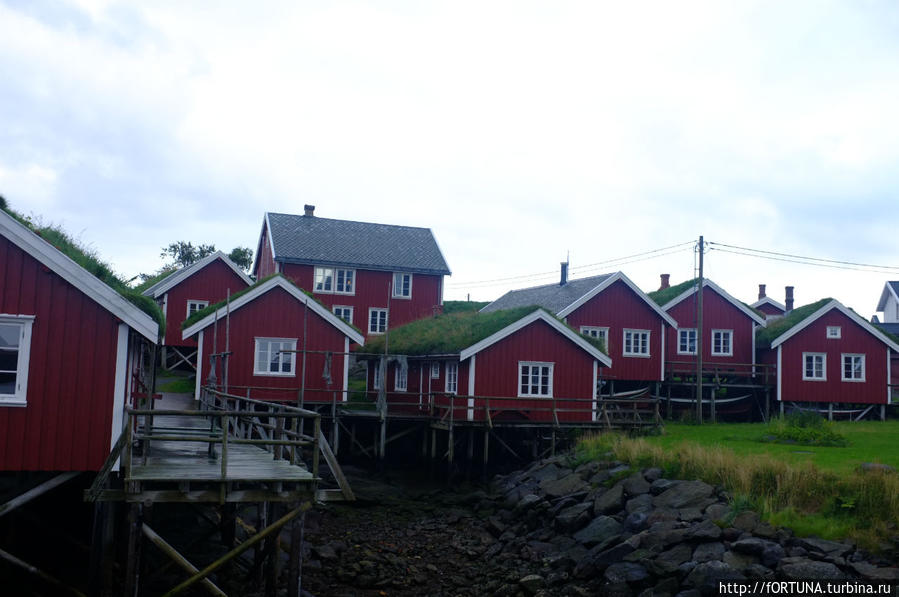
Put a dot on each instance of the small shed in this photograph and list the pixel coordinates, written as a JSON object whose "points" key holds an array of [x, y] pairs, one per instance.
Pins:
{"points": [[281, 344]]}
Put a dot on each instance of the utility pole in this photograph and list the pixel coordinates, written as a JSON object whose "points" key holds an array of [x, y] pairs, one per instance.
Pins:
{"points": [[699, 294]]}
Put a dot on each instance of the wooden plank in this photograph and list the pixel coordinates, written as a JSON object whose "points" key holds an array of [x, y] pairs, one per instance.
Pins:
{"points": [[35, 571], [179, 559], [342, 482], [41, 489]]}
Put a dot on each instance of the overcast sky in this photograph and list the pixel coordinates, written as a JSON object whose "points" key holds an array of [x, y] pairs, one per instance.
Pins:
{"points": [[519, 132]]}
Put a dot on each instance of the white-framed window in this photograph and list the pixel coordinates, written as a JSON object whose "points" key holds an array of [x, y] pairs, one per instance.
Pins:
{"points": [[275, 356], [344, 312], [435, 370], [401, 379], [15, 353], [723, 343], [535, 379], [599, 333], [329, 280], [402, 285], [814, 366], [452, 377], [377, 320], [853, 367], [834, 332], [194, 306], [686, 341], [636, 343]]}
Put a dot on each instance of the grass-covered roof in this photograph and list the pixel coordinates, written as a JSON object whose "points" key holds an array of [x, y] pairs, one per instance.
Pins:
{"points": [[663, 297], [457, 306], [158, 277], [90, 261], [450, 333], [775, 328]]}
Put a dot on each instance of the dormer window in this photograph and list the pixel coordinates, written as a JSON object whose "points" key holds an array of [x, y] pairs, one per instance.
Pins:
{"points": [[834, 332]]}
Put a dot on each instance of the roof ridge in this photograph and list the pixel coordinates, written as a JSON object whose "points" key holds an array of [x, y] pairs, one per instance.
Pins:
{"points": [[278, 213]]}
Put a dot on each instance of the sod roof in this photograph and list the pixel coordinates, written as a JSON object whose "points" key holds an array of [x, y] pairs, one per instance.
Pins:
{"points": [[451, 333], [777, 327], [665, 296]]}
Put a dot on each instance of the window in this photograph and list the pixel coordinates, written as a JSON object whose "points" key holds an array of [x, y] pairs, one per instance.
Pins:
{"points": [[402, 285], [686, 341], [722, 343], [435, 370], [535, 379], [15, 349], [194, 306], [834, 332], [598, 333], [452, 377], [274, 356], [330, 280], [814, 366], [401, 379], [636, 343], [377, 321], [853, 367], [343, 312]]}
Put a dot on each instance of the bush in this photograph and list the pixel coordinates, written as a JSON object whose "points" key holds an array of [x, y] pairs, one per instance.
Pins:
{"points": [[806, 428]]}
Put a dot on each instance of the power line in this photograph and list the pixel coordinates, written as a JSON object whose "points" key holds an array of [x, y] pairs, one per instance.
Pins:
{"points": [[831, 265], [804, 259], [579, 269]]}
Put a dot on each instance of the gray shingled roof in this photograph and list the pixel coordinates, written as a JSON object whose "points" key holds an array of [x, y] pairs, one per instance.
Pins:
{"points": [[323, 241], [551, 296]]}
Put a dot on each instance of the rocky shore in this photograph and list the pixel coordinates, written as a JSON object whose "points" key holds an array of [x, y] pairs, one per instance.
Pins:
{"points": [[553, 529]]}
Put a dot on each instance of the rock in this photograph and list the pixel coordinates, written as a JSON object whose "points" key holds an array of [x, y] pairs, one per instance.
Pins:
{"points": [[704, 531], [871, 572], [706, 576], [527, 502], [549, 472], [563, 486], [739, 561], [667, 562], [618, 469], [831, 548], [531, 583], [706, 552], [663, 515], [746, 521], [636, 485], [717, 511], [588, 469], [660, 485], [641, 503], [758, 572], [596, 560], [689, 514], [326, 552], [684, 495], [495, 526], [609, 501], [876, 466], [804, 569], [651, 474], [626, 572], [601, 530], [573, 518], [600, 477], [636, 522]]}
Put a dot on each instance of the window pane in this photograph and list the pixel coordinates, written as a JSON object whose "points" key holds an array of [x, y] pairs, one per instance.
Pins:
{"points": [[9, 335], [7, 383], [9, 360]]}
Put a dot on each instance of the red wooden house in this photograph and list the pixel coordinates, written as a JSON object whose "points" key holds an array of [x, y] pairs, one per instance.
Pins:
{"points": [[279, 340], [611, 308], [826, 353], [190, 289], [527, 360], [771, 308], [371, 275], [728, 328], [69, 345]]}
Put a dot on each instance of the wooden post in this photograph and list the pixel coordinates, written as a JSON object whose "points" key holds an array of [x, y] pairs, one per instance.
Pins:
{"points": [[295, 565], [259, 548], [132, 567], [102, 549], [668, 403], [883, 412], [699, 294], [781, 408], [272, 554], [486, 448]]}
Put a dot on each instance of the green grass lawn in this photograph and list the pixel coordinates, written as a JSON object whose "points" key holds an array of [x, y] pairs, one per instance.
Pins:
{"points": [[869, 441]]}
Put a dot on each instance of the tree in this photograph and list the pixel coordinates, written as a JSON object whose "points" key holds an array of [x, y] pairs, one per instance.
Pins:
{"points": [[185, 253], [242, 256]]}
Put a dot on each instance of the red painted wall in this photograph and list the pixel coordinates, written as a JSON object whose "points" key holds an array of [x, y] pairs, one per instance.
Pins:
{"points": [[209, 284], [618, 307], [277, 314], [718, 313], [266, 263], [769, 309], [854, 340], [373, 290], [71, 380]]}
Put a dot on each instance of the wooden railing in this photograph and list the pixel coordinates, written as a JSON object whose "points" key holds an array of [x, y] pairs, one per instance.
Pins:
{"points": [[754, 373]]}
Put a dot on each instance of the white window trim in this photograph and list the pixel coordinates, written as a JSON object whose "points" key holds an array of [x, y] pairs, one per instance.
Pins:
{"points": [[551, 367], [730, 343], [333, 271], [435, 370], [293, 358], [386, 320], [404, 378], [843, 368], [642, 355], [200, 306], [823, 356], [595, 331], [394, 284], [20, 396], [336, 307], [679, 331], [451, 366], [834, 332]]}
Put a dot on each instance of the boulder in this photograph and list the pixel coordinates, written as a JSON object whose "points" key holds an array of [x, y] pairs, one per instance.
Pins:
{"points": [[706, 552], [704, 531], [804, 569], [610, 501], [596, 560], [660, 485], [667, 562], [601, 531], [831, 548], [641, 503], [684, 495], [531, 583], [636, 522], [626, 572], [636, 484], [746, 521], [871, 572], [567, 485], [651, 474], [706, 576], [573, 518]]}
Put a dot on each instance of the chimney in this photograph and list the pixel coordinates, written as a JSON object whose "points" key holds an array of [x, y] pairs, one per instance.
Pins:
{"points": [[666, 281], [788, 290], [308, 210], [761, 291], [564, 279]]}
